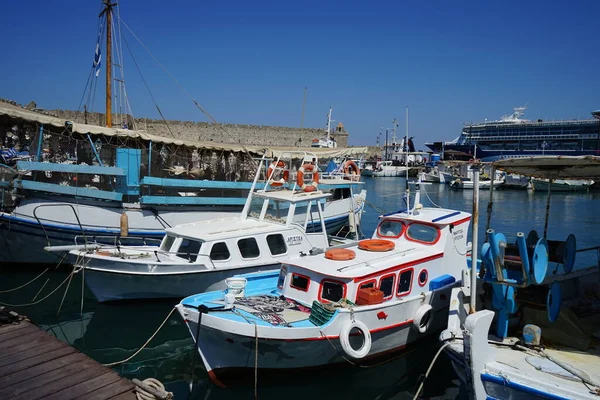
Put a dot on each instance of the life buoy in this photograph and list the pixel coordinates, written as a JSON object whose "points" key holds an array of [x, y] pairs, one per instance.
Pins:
{"points": [[345, 339], [422, 318], [350, 168], [340, 254], [376, 245], [271, 171], [315, 181]]}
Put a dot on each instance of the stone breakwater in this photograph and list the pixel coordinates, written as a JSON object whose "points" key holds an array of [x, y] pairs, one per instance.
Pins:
{"points": [[202, 131]]}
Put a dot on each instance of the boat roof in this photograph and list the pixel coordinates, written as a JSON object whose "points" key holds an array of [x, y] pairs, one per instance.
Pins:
{"points": [[553, 167], [438, 216], [223, 228], [292, 196]]}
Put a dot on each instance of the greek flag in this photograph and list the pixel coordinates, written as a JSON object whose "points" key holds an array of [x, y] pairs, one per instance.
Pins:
{"points": [[97, 59]]}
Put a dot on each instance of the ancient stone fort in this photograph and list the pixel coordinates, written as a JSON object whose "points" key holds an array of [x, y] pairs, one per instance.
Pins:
{"points": [[203, 131]]}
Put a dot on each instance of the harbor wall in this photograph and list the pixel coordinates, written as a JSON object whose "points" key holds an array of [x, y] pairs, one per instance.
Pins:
{"points": [[203, 131]]}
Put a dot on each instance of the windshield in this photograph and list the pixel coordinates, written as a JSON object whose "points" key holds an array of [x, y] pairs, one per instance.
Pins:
{"points": [[276, 211]]}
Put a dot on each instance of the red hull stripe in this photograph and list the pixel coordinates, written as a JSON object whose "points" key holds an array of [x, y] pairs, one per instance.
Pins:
{"points": [[384, 328], [462, 221], [400, 266]]}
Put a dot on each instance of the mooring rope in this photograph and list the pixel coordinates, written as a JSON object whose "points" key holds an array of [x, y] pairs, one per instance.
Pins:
{"points": [[22, 286], [144, 345], [429, 369], [42, 299]]}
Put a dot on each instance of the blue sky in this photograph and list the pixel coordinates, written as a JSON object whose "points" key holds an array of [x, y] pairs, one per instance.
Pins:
{"points": [[249, 61]]}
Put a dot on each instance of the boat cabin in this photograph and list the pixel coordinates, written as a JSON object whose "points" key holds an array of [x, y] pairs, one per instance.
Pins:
{"points": [[407, 255]]}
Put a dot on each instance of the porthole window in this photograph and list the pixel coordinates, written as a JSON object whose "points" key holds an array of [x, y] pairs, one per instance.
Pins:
{"points": [[422, 233], [390, 229], [276, 244], [248, 248], [423, 275], [219, 252], [300, 282], [405, 282]]}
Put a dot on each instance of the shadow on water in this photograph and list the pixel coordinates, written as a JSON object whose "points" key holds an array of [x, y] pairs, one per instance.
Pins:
{"points": [[112, 332]]}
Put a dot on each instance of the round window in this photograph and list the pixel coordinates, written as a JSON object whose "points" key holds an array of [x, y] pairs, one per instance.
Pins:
{"points": [[423, 277]]}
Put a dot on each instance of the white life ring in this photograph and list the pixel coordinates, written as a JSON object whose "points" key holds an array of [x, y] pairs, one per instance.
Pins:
{"points": [[345, 339], [422, 318]]}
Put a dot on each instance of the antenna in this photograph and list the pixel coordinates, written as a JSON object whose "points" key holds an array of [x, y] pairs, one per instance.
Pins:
{"points": [[303, 107], [329, 124], [406, 152]]}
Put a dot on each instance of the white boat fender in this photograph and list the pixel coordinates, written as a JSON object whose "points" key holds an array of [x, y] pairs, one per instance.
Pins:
{"points": [[422, 318], [345, 339], [124, 224]]}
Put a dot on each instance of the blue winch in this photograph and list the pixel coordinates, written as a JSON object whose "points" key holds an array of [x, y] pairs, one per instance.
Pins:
{"points": [[517, 273]]}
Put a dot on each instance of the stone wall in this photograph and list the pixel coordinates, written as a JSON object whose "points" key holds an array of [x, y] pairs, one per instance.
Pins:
{"points": [[202, 131]]}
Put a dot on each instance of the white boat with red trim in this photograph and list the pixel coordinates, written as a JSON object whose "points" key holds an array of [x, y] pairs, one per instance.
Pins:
{"points": [[357, 301]]}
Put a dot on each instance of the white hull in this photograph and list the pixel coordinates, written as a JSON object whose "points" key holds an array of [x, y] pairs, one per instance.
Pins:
{"points": [[483, 185], [23, 238], [227, 350], [388, 171]]}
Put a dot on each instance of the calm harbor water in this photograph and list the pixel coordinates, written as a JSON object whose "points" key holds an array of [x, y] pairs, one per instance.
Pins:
{"points": [[112, 332]]}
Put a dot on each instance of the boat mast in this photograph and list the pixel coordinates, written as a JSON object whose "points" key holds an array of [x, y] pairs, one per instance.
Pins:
{"points": [[108, 6], [329, 125], [406, 150]]}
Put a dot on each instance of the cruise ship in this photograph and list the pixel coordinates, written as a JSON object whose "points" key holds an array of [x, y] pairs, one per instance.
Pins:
{"points": [[512, 137]]}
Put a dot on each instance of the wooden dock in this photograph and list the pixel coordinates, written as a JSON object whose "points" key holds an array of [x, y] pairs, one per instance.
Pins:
{"points": [[36, 365]]}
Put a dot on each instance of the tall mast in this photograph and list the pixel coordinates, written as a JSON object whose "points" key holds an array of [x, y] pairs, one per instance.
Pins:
{"points": [[329, 125], [394, 140], [406, 150], [108, 11]]}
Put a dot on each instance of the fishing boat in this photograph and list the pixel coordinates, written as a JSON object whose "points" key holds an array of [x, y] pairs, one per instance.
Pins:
{"points": [[562, 185], [352, 302], [80, 180], [466, 179], [528, 328], [199, 256]]}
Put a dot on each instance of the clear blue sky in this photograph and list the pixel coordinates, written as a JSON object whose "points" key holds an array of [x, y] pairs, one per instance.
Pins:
{"points": [[249, 61]]}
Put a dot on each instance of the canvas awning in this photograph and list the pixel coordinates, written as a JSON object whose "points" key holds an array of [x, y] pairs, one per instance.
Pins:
{"points": [[553, 167]]}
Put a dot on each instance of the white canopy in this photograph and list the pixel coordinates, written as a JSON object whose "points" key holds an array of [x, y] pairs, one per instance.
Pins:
{"points": [[553, 167]]}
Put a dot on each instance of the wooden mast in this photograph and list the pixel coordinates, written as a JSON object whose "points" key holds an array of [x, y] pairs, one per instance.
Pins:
{"points": [[108, 11]]}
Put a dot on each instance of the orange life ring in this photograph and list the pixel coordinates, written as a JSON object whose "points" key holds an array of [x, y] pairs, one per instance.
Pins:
{"points": [[340, 254], [315, 181], [273, 168], [350, 168], [376, 245]]}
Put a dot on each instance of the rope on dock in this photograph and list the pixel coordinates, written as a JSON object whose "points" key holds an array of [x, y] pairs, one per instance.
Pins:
{"points": [[429, 369], [144, 345], [151, 389]]}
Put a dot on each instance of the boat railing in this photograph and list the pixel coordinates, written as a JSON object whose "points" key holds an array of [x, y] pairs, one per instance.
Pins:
{"points": [[58, 205], [116, 240]]}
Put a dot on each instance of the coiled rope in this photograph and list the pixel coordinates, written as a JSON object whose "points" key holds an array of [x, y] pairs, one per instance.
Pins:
{"points": [[155, 385]]}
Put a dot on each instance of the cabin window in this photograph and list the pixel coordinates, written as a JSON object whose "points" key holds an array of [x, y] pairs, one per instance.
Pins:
{"points": [[248, 248], [219, 252], [390, 229], [341, 193], [423, 233], [367, 285], [189, 249], [281, 279], [332, 291], [405, 282], [276, 244], [167, 243], [386, 285], [300, 282]]}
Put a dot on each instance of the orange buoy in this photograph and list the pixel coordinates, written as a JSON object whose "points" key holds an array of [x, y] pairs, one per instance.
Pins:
{"points": [[340, 254], [300, 178], [376, 245], [350, 168], [270, 172]]}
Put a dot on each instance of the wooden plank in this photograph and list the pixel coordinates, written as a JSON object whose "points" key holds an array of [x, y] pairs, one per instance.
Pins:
{"points": [[97, 383], [123, 396], [67, 361], [63, 383], [20, 361], [193, 200], [52, 374], [194, 183], [27, 338], [23, 330], [4, 329], [70, 168], [121, 387], [33, 341], [69, 190]]}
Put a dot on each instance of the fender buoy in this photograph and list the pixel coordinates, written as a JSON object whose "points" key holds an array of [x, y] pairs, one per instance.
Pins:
{"points": [[376, 245], [345, 339], [350, 168], [277, 166], [315, 181], [340, 254], [422, 318], [124, 225]]}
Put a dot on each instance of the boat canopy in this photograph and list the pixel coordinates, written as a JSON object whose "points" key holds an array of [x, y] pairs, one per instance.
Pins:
{"points": [[553, 167]]}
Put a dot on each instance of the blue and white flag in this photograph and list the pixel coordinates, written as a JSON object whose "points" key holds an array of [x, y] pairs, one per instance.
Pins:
{"points": [[97, 59]]}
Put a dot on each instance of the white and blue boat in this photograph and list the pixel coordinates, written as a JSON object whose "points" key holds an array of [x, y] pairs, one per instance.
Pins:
{"points": [[352, 302], [528, 328]]}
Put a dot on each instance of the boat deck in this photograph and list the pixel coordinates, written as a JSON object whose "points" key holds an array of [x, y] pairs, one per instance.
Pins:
{"points": [[35, 365]]}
